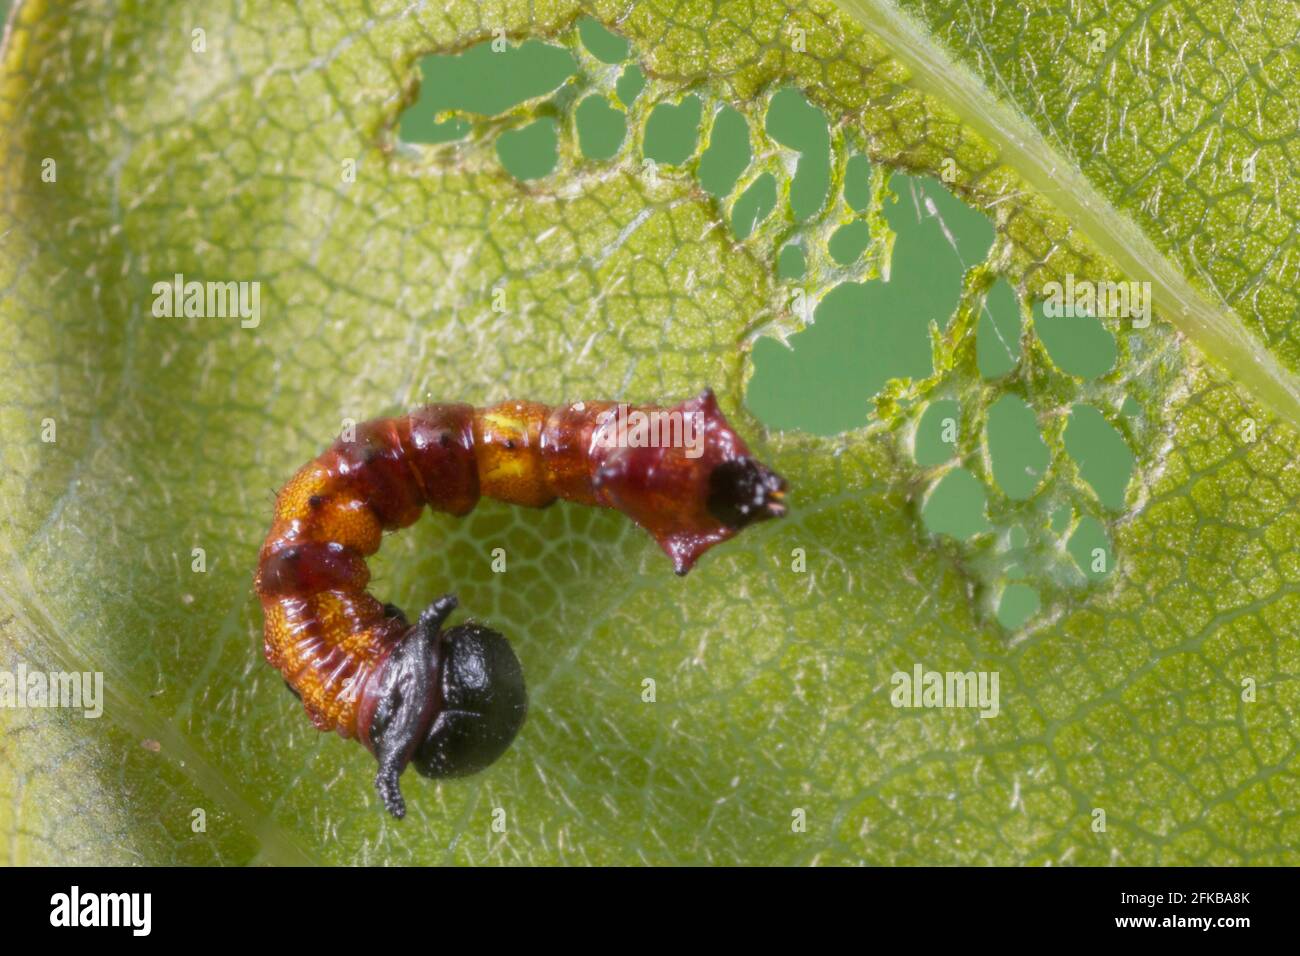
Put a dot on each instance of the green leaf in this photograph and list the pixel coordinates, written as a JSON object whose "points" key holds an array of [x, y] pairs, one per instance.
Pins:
{"points": [[1121, 692]]}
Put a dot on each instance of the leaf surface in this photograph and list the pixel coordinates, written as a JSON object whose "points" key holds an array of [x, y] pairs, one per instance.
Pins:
{"points": [[772, 685]]}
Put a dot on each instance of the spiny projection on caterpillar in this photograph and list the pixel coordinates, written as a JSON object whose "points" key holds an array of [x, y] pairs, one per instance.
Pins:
{"points": [[450, 700]]}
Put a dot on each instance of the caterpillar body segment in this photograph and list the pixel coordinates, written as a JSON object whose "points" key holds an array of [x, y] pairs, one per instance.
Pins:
{"points": [[450, 700]]}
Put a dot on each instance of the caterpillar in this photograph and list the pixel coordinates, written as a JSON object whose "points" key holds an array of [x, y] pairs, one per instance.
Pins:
{"points": [[450, 701]]}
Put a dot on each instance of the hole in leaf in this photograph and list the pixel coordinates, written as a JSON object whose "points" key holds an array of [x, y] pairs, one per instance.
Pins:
{"points": [[672, 130], [754, 205], [1019, 602], [955, 506], [1060, 520], [937, 433], [529, 152], [1020, 456], [820, 385], [867, 333], [605, 46], [630, 84], [1078, 344], [938, 238], [1103, 457], [849, 242], [727, 155], [1090, 548], [601, 128], [857, 183], [481, 81], [790, 263], [997, 336], [793, 122]]}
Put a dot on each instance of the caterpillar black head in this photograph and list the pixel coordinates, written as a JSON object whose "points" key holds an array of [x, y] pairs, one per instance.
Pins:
{"points": [[744, 490], [450, 702]]}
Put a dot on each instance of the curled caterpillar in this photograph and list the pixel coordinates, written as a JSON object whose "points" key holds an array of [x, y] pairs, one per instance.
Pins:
{"points": [[451, 701]]}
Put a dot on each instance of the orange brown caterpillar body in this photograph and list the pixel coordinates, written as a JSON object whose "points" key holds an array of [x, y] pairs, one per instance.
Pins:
{"points": [[451, 700]]}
